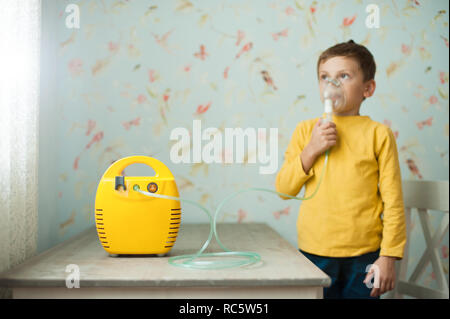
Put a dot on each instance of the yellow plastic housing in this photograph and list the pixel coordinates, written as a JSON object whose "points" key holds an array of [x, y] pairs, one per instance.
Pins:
{"points": [[131, 223]]}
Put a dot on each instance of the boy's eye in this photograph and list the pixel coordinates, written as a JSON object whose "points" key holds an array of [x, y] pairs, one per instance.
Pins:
{"points": [[344, 76]]}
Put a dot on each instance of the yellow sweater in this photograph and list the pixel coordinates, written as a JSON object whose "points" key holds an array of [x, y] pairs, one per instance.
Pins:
{"points": [[359, 205]]}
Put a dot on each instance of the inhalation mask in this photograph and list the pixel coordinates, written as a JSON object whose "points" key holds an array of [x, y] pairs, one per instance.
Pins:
{"points": [[332, 94]]}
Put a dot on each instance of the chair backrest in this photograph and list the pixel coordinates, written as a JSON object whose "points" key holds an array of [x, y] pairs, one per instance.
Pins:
{"points": [[426, 194], [423, 196]]}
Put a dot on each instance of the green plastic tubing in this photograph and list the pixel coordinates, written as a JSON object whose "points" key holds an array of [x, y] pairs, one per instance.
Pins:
{"points": [[234, 258]]}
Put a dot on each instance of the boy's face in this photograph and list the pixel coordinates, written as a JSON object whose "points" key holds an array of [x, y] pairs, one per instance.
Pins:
{"points": [[347, 71]]}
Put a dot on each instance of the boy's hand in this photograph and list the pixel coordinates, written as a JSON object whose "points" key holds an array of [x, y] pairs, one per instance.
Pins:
{"points": [[324, 135], [385, 280]]}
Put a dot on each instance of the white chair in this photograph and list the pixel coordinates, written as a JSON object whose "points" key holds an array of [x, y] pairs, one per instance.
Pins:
{"points": [[423, 196]]}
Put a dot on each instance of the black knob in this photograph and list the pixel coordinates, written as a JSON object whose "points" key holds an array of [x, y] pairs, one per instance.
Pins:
{"points": [[120, 181]]}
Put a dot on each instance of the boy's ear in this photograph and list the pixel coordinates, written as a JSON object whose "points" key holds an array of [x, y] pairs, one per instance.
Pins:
{"points": [[369, 88]]}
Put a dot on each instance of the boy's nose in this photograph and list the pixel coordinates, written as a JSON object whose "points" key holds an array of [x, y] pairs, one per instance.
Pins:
{"points": [[334, 81]]}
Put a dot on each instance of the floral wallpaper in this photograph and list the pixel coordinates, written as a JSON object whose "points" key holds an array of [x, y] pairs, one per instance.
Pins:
{"points": [[134, 70]]}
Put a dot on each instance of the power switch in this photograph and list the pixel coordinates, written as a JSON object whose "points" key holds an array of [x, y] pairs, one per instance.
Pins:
{"points": [[152, 187]]}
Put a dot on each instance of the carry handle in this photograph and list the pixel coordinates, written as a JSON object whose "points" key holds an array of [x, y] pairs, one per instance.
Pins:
{"points": [[118, 166]]}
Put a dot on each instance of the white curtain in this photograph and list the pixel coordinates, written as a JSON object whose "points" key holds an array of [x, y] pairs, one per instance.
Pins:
{"points": [[20, 28]]}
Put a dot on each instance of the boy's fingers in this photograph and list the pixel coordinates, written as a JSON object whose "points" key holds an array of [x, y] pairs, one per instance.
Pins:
{"points": [[384, 286], [375, 292], [325, 125], [328, 124], [365, 279], [329, 131], [381, 289]]}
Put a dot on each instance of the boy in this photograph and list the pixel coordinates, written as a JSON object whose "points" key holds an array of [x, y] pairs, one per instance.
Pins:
{"points": [[341, 229]]}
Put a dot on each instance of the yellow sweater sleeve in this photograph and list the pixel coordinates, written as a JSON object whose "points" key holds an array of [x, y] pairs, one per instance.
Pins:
{"points": [[291, 177], [390, 187]]}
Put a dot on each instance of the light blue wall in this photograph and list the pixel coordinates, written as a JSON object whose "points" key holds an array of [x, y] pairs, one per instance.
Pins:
{"points": [[98, 77]]}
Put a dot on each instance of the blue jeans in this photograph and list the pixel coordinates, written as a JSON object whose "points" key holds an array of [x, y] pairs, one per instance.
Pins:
{"points": [[346, 273]]}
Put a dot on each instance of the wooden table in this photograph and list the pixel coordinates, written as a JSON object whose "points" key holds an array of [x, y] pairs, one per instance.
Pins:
{"points": [[283, 273]]}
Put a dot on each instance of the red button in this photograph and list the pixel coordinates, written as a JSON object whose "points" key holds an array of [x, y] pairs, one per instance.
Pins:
{"points": [[152, 187]]}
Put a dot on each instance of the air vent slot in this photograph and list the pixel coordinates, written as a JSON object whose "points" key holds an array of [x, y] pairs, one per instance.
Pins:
{"points": [[175, 220], [99, 218], [101, 230]]}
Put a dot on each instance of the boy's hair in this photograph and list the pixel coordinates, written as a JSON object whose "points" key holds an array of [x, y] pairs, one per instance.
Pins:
{"points": [[353, 50]]}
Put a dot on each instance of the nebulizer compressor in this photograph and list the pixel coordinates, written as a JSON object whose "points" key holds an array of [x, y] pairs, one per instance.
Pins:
{"points": [[130, 220]]}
